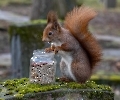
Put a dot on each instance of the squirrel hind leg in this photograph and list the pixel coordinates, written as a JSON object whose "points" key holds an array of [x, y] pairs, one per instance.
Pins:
{"points": [[65, 79], [81, 72]]}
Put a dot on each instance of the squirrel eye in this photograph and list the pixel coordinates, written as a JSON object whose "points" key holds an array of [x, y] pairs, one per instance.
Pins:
{"points": [[50, 33]]}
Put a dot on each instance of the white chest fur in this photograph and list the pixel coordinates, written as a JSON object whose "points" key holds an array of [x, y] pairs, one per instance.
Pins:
{"points": [[67, 58]]}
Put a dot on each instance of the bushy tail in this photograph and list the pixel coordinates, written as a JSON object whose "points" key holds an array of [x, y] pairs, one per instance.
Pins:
{"points": [[76, 22]]}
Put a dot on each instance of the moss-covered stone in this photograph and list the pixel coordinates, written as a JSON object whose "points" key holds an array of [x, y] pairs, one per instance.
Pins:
{"points": [[29, 32], [2, 99], [109, 79], [23, 89], [30, 35]]}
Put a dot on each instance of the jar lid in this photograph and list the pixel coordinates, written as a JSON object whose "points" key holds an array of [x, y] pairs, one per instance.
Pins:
{"points": [[41, 56], [41, 52]]}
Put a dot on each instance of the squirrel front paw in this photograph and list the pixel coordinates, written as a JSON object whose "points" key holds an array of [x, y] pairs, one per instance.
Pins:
{"points": [[53, 49], [57, 49], [48, 50]]}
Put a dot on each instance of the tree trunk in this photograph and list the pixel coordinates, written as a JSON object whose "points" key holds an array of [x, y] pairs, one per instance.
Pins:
{"points": [[41, 8], [110, 3]]}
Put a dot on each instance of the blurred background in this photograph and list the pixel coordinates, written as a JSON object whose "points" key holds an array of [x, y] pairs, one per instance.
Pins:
{"points": [[22, 23]]}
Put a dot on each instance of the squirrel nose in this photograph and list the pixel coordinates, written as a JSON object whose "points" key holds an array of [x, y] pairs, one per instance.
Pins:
{"points": [[43, 39]]}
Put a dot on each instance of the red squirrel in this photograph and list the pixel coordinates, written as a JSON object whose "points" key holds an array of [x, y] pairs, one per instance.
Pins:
{"points": [[78, 48]]}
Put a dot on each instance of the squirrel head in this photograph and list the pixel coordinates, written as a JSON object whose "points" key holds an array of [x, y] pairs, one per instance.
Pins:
{"points": [[53, 29]]}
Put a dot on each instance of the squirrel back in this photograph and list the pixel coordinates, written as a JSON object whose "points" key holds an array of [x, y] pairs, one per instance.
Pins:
{"points": [[77, 22]]}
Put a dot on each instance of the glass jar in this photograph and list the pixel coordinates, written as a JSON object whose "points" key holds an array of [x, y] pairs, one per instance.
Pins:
{"points": [[42, 67]]}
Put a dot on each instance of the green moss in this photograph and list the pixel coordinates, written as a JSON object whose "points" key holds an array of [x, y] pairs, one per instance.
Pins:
{"points": [[1, 83], [109, 79], [9, 93], [23, 85], [2, 99], [19, 96], [20, 87], [30, 32]]}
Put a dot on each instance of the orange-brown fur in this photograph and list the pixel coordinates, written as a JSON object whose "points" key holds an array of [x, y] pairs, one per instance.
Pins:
{"points": [[77, 22], [74, 43]]}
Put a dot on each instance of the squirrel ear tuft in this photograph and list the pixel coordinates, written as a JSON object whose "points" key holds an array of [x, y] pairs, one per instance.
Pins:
{"points": [[52, 17], [56, 26]]}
